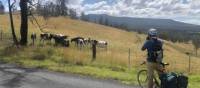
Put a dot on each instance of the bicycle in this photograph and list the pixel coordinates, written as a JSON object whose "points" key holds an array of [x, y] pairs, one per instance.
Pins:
{"points": [[143, 79]]}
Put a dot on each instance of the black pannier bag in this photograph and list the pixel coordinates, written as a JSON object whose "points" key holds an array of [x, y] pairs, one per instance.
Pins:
{"points": [[169, 80], [182, 81]]}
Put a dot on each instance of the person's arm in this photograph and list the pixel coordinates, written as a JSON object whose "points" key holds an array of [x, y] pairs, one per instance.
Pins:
{"points": [[148, 38], [144, 47]]}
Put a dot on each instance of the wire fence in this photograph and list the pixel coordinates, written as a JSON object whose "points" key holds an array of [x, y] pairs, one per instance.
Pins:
{"points": [[128, 58], [5, 36]]}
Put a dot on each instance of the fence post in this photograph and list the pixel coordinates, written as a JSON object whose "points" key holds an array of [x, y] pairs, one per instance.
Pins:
{"points": [[93, 51], [175, 65], [1, 35], [189, 62], [129, 59], [189, 70]]}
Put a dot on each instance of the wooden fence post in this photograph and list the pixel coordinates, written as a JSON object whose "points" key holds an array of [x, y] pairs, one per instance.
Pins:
{"points": [[175, 65], [1, 35], [129, 59], [189, 67], [189, 62], [94, 51]]}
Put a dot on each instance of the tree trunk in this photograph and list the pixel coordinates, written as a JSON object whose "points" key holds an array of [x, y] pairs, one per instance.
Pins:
{"points": [[12, 25], [24, 22]]}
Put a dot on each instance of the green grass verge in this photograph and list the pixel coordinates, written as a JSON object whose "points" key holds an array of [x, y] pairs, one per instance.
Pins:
{"points": [[52, 59]]}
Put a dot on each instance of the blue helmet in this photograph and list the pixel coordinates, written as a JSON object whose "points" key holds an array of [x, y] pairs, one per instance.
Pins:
{"points": [[153, 32]]}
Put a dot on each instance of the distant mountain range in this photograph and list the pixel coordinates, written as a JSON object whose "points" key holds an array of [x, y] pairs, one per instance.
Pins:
{"points": [[146, 23]]}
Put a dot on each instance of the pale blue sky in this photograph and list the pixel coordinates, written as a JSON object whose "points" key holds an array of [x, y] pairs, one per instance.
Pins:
{"points": [[182, 10]]}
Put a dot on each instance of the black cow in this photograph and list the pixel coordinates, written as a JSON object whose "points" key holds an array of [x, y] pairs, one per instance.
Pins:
{"points": [[61, 39], [44, 36]]}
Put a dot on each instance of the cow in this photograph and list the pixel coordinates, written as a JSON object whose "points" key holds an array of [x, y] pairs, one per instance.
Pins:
{"points": [[44, 36], [61, 39], [87, 41], [100, 43], [79, 41]]}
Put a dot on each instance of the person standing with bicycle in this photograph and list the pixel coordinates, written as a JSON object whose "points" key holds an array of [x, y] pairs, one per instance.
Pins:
{"points": [[153, 45]]}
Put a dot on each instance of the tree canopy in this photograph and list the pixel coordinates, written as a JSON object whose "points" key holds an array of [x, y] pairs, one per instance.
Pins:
{"points": [[1, 8]]}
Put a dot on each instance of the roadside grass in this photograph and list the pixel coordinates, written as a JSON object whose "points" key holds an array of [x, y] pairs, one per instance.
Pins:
{"points": [[194, 81], [49, 58], [52, 58]]}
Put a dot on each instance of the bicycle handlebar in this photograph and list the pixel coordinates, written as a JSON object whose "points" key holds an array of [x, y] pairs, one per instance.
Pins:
{"points": [[162, 63]]}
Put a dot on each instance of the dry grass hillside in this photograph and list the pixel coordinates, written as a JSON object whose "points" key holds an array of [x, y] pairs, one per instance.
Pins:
{"points": [[119, 43]]}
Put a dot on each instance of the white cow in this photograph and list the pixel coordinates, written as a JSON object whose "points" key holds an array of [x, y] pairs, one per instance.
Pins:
{"points": [[102, 44]]}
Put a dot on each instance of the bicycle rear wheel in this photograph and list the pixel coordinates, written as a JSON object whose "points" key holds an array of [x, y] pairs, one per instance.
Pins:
{"points": [[142, 78]]}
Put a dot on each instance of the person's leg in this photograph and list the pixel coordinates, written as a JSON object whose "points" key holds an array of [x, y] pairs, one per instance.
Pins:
{"points": [[150, 72], [159, 69]]}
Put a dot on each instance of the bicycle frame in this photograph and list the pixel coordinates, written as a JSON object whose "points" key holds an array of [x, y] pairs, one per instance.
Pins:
{"points": [[156, 82]]}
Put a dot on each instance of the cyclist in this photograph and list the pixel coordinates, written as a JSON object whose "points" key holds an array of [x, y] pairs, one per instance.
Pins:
{"points": [[153, 45]]}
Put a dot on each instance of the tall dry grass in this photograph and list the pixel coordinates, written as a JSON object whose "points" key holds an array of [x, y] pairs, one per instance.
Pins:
{"points": [[119, 43]]}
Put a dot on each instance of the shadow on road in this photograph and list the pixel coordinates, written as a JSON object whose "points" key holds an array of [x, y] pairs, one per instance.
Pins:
{"points": [[13, 75]]}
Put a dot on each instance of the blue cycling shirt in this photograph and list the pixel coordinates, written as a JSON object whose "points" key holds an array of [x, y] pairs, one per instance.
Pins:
{"points": [[149, 45]]}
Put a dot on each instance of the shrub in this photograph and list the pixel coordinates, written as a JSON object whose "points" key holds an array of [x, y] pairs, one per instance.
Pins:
{"points": [[118, 68], [8, 51], [79, 63], [39, 57]]}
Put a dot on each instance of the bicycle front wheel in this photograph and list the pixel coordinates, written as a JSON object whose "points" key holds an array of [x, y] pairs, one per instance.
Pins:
{"points": [[142, 78]]}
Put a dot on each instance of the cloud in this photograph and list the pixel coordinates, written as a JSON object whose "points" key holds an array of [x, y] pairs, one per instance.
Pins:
{"points": [[96, 6], [148, 7], [77, 5], [144, 8], [195, 4], [75, 2]]}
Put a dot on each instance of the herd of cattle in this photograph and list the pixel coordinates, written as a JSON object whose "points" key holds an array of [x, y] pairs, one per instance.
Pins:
{"points": [[64, 40]]}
